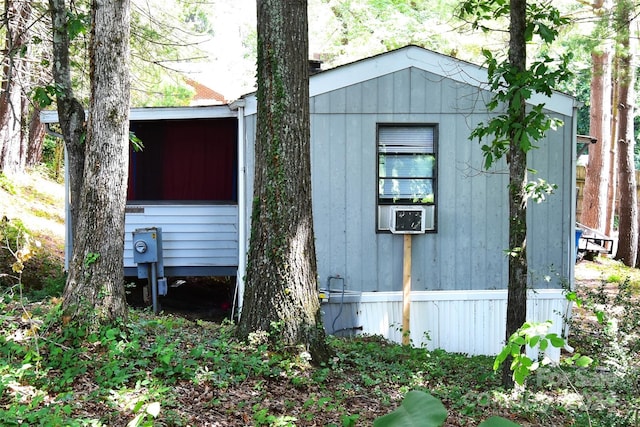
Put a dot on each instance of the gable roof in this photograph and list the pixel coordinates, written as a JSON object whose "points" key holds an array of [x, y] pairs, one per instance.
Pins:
{"points": [[421, 58], [204, 95]]}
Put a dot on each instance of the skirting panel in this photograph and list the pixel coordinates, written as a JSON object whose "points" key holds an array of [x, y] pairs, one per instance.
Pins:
{"points": [[470, 322]]}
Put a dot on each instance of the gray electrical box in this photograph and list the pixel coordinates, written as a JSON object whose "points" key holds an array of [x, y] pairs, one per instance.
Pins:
{"points": [[147, 249]]}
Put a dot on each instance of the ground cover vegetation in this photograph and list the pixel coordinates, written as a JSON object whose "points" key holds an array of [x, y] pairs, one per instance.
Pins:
{"points": [[168, 370]]}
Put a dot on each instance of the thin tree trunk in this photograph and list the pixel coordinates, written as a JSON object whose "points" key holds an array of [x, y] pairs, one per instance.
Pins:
{"points": [[628, 213], [71, 114], [13, 100], [612, 157], [281, 287], [95, 284], [517, 159], [595, 199]]}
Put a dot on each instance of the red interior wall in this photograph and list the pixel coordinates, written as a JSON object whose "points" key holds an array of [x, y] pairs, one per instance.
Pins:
{"points": [[184, 160]]}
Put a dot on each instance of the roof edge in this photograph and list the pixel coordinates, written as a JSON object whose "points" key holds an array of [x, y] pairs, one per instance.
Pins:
{"points": [[424, 59], [162, 113]]}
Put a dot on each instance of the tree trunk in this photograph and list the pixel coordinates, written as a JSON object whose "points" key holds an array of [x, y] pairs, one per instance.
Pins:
{"points": [[95, 286], [595, 198], [36, 138], [628, 211], [71, 114], [13, 100], [281, 285], [517, 159], [612, 156]]}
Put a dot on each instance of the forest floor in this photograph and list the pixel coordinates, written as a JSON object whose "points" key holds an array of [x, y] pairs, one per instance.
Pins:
{"points": [[185, 368]]}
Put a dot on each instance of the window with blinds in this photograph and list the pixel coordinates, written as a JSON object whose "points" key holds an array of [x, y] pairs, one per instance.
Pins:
{"points": [[406, 164]]}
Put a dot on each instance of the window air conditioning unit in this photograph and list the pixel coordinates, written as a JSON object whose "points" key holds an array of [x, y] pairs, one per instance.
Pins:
{"points": [[408, 220]]}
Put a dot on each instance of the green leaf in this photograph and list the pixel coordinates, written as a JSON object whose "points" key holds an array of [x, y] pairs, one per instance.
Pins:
{"points": [[136, 143], [139, 404], [519, 340], [77, 24], [556, 341], [526, 362], [112, 333], [571, 296], [520, 374], [547, 34], [501, 357], [543, 345], [418, 409], [584, 361], [497, 422], [41, 97]]}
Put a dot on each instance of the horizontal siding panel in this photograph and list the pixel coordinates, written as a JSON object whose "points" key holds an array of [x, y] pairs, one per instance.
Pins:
{"points": [[178, 237], [205, 218], [200, 245], [198, 253], [192, 235], [193, 253], [180, 229]]}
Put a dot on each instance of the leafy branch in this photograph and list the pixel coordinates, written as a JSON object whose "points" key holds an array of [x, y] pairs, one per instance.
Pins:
{"points": [[511, 86]]}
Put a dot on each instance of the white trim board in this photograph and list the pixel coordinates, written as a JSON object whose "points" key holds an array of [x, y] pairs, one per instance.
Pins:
{"points": [[162, 113]]}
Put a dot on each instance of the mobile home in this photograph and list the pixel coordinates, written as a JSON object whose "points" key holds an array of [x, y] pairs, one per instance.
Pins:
{"points": [[390, 153], [389, 135]]}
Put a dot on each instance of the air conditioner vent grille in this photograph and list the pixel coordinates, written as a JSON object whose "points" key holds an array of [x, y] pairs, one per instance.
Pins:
{"points": [[408, 220]]}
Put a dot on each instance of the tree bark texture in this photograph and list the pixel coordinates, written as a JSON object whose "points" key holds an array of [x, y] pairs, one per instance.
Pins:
{"points": [[14, 103], [281, 282], [628, 210], [36, 137], [517, 159], [71, 115], [596, 187], [95, 284]]}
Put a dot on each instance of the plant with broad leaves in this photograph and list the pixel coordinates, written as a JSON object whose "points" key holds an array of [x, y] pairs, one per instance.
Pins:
{"points": [[532, 335], [420, 409]]}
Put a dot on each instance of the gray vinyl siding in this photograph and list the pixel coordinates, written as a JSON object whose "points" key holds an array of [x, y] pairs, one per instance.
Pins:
{"points": [[195, 235], [467, 251]]}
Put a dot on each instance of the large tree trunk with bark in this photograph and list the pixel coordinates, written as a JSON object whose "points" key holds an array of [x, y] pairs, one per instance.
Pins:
{"points": [[595, 198], [15, 84], [95, 286], [281, 282], [517, 159], [628, 218]]}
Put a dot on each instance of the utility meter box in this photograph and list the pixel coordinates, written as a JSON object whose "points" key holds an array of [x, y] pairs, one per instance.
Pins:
{"points": [[147, 245], [147, 249]]}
